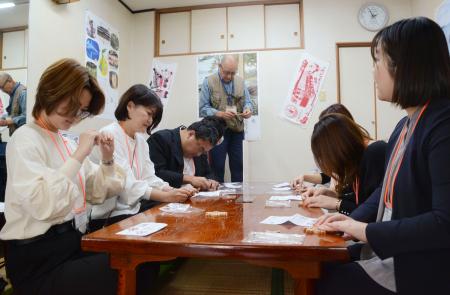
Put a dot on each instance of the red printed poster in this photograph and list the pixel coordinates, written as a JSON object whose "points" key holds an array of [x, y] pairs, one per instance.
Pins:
{"points": [[305, 89]]}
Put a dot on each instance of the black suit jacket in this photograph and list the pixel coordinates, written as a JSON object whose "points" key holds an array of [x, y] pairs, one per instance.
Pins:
{"points": [[418, 236], [167, 155]]}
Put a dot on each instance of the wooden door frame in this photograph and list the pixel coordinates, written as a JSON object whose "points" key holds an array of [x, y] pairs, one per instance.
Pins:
{"points": [[340, 45]]}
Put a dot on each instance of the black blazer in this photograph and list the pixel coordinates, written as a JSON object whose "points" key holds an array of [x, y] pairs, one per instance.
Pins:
{"points": [[167, 155], [418, 236]]}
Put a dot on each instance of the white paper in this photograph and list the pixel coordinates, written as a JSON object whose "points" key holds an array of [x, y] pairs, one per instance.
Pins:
{"points": [[283, 184], [296, 219], [287, 197], [274, 238], [175, 208], [217, 193], [143, 229], [161, 79], [2, 207], [232, 184], [281, 189]]}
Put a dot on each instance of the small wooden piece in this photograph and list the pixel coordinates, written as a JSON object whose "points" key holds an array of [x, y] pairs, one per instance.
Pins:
{"points": [[216, 214]]}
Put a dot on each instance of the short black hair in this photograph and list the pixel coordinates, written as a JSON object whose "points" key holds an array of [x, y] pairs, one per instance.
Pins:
{"points": [[419, 62], [210, 128], [140, 95]]}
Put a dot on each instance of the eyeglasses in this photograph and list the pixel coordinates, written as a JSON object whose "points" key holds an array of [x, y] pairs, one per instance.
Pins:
{"points": [[82, 114], [226, 73]]}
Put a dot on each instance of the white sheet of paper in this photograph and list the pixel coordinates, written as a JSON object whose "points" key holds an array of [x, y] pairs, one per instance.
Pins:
{"points": [[296, 219], [143, 229], [175, 208], [232, 185], [281, 189], [283, 184], [274, 238], [2, 207], [286, 198], [217, 193]]}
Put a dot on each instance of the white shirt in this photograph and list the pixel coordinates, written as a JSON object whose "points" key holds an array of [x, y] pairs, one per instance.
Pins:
{"points": [[42, 190], [189, 166], [139, 169]]}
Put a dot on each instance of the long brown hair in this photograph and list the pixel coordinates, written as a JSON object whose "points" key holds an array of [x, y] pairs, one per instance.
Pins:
{"points": [[338, 144], [66, 79]]}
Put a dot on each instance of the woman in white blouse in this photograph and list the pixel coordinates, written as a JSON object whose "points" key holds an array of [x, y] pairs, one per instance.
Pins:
{"points": [[139, 111], [50, 183]]}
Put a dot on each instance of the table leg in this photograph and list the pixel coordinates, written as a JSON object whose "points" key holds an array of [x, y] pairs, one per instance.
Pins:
{"points": [[304, 287], [126, 284]]}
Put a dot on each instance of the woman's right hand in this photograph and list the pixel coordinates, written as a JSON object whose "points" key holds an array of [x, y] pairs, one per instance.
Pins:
{"points": [[297, 182], [86, 143], [177, 195]]}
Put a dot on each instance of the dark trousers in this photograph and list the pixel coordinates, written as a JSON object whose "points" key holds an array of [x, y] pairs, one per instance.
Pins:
{"points": [[56, 265], [231, 145], [349, 278]]}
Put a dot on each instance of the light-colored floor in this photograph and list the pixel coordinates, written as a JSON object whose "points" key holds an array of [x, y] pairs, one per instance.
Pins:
{"points": [[219, 277]]}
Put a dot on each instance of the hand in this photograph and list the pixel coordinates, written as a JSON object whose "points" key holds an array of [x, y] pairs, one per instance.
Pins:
{"points": [[200, 182], [167, 188], [313, 192], [225, 115], [190, 188], [106, 145], [246, 114], [177, 195], [213, 185], [86, 143], [297, 182], [3, 122], [339, 222], [320, 201]]}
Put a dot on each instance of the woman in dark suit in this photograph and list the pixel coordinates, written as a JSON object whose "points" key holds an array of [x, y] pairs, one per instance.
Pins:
{"points": [[407, 245]]}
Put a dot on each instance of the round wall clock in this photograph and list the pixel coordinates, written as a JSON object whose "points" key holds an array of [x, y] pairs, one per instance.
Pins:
{"points": [[373, 16]]}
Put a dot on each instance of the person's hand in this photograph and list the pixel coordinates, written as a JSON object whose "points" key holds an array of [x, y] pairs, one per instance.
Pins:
{"points": [[86, 143], [190, 188], [166, 188], [226, 115], [316, 191], [105, 142], [336, 222], [320, 201], [200, 182], [297, 182], [246, 114], [213, 185], [179, 195], [3, 122]]}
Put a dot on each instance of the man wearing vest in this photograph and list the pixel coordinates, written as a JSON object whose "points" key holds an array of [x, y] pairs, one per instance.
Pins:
{"points": [[224, 95], [15, 115]]}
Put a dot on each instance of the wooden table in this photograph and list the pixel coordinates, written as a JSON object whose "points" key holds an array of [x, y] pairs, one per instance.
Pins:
{"points": [[196, 235]]}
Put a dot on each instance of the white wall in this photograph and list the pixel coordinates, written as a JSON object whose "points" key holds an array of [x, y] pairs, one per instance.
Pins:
{"points": [[57, 31], [426, 8]]}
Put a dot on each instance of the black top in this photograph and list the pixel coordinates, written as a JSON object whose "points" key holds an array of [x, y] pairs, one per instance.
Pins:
{"points": [[371, 173], [167, 155], [325, 178], [418, 236]]}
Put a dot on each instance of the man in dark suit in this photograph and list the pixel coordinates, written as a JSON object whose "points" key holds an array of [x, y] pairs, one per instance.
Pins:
{"points": [[179, 154]]}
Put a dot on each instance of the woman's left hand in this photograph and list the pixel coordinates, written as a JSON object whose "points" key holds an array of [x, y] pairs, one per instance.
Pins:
{"points": [[341, 223], [105, 142], [320, 201]]}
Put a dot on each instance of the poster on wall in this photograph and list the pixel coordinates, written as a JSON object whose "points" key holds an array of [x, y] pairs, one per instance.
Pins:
{"points": [[304, 91], [161, 80], [443, 19], [102, 59], [208, 65]]}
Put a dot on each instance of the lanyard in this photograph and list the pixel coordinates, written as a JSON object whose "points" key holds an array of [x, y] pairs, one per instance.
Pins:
{"points": [[131, 157], [390, 182], [80, 179], [229, 94], [356, 189]]}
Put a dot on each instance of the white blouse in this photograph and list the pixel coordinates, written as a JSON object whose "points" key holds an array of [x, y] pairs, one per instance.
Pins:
{"points": [[133, 156], [42, 189]]}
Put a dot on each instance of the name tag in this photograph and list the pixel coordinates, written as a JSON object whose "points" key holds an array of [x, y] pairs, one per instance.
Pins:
{"points": [[81, 220]]}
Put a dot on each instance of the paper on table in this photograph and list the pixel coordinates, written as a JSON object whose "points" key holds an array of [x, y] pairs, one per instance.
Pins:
{"points": [[286, 198], [296, 219], [283, 184], [175, 208], [217, 193], [286, 188], [274, 238], [232, 184], [143, 229]]}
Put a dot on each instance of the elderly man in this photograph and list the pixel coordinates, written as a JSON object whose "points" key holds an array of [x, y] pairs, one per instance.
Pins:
{"points": [[225, 95], [15, 115]]}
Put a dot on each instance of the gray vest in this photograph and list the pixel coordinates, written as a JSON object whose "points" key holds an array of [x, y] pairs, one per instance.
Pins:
{"points": [[219, 99], [15, 107]]}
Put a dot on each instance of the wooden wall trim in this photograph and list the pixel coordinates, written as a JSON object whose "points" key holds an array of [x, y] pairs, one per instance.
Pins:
{"points": [[13, 29]]}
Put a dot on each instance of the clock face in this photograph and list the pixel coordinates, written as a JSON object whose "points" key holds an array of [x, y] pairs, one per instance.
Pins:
{"points": [[373, 16]]}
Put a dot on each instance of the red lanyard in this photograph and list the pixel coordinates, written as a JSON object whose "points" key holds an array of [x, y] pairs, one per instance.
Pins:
{"points": [[390, 183], [80, 179], [356, 189], [131, 157]]}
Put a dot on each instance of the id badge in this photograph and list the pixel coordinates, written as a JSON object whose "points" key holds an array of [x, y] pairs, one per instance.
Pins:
{"points": [[232, 109], [81, 219]]}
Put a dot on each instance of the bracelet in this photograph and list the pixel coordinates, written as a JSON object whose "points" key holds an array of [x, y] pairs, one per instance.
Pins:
{"points": [[108, 163], [338, 204]]}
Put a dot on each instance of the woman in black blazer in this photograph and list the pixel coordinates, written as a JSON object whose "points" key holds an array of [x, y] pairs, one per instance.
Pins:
{"points": [[407, 246]]}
